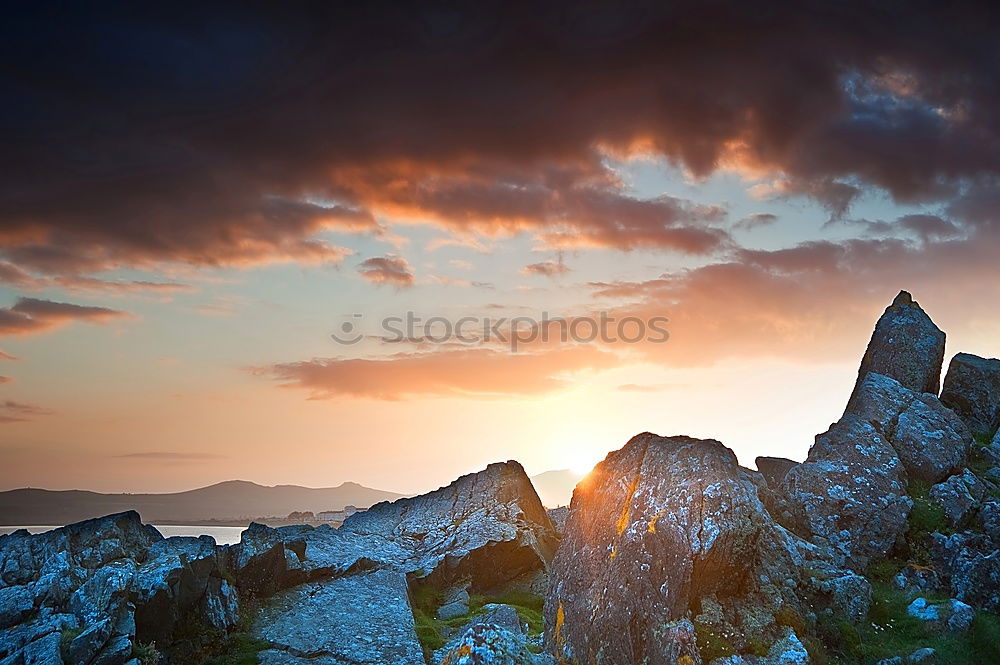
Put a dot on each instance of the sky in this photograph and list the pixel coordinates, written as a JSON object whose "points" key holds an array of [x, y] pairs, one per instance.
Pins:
{"points": [[198, 203]]}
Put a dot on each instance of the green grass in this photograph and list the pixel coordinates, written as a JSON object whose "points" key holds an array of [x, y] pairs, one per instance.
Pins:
{"points": [[926, 517], [426, 599], [890, 631], [978, 463], [146, 653], [527, 605], [239, 649], [711, 644], [66, 637]]}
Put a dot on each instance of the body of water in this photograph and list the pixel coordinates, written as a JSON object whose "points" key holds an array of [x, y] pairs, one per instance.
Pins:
{"points": [[224, 535]]}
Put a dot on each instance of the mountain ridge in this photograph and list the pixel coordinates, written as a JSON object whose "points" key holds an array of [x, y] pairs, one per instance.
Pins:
{"points": [[225, 500]]}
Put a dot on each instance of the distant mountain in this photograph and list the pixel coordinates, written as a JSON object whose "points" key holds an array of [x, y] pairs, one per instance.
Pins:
{"points": [[555, 488], [231, 500]]}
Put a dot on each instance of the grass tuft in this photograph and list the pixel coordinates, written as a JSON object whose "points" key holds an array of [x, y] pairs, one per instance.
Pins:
{"points": [[426, 600], [146, 653]]}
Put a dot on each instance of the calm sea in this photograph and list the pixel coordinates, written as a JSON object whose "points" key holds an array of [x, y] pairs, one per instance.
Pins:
{"points": [[224, 535]]}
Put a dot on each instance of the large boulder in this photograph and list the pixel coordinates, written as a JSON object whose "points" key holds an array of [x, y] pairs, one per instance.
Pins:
{"points": [[850, 493], [495, 637], [362, 619], [664, 529], [972, 390], [115, 581], [959, 497], [267, 560], [487, 529], [78, 577], [180, 580], [969, 564], [930, 439], [905, 345], [773, 469]]}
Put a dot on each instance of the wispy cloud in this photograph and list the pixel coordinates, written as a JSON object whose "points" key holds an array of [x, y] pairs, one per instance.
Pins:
{"points": [[17, 412], [389, 269], [31, 315], [548, 268], [170, 456], [479, 372]]}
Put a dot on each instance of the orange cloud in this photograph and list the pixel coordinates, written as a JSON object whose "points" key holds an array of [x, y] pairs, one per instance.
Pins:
{"points": [[811, 302], [478, 372], [546, 268]]}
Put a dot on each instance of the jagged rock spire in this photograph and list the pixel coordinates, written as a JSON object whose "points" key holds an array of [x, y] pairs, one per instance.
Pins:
{"points": [[906, 346]]}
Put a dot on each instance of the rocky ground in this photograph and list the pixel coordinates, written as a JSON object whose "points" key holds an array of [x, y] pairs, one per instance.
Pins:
{"points": [[883, 546]]}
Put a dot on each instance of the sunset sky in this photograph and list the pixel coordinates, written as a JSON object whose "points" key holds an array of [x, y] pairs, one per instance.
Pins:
{"points": [[193, 202]]}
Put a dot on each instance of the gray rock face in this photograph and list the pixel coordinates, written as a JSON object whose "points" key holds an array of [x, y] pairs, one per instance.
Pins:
{"points": [[486, 528], [953, 615], [497, 637], [925, 656], [907, 346], [634, 541], [930, 439], [114, 579], [178, 576], [959, 496], [456, 604], [340, 595], [558, 518], [78, 576], [970, 566], [660, 526], [850, 493], [773, 469], [788, 651], [42, 651], [972, 390], [267, 560], [363, 619], [916, 580], [989, 520]]}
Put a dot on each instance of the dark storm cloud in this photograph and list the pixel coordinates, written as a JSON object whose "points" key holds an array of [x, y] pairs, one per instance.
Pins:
{"points": [[231, 135]]}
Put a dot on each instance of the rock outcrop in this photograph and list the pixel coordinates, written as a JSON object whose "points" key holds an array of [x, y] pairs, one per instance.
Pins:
{"points": [[969, 564], [362, 619], [114, 583], [850, 493], [907, 346], [671, 553], [972, 390], [931, 440], [657, 536], [495, 637], [487, 528], [267, 560], [959, 497], [482, 532], [773, 469], [326, 595]]}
